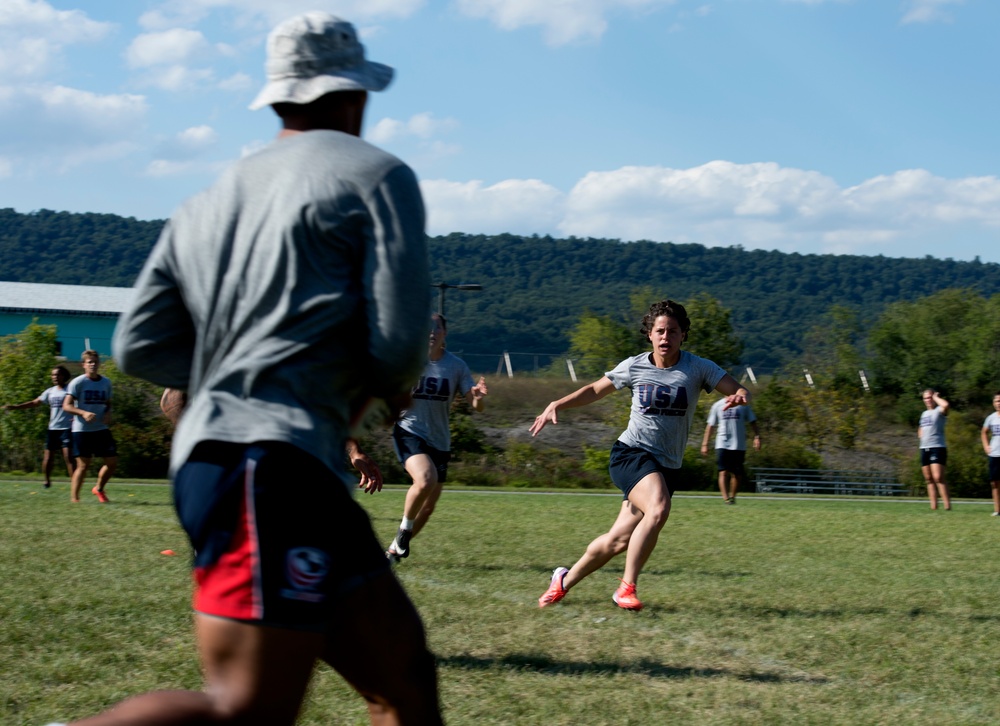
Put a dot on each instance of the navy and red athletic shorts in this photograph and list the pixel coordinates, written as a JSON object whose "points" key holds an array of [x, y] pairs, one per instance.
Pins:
{"points": [[278, 538]]}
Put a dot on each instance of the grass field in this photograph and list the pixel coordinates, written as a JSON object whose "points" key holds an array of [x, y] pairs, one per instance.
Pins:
{"points": [[772, 611]]}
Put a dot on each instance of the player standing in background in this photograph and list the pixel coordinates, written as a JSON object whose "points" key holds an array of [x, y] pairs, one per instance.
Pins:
{"points": [[933, 451], [990, 435], [422, 437], [58, 436], [665, 387], [287, 294], [730, 444], [88, 399]]}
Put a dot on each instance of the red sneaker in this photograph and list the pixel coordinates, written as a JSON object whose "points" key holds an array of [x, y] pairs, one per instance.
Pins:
{"points": [[556, 591], [626, 598], [101, 496]]}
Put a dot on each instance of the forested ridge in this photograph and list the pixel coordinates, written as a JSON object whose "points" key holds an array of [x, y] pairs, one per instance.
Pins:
{"points": [[535, 288]]}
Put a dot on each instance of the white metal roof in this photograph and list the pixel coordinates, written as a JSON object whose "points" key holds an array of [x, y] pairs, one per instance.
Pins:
{"points": [[42, 297]]}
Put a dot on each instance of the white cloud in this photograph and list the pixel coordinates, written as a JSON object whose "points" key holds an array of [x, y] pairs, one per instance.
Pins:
{"points": [[765, 205], [519, 206], [169, 47], [197, 138], [176, 78], [263, 14], [562, 22], [6, 168], [929, 11], [422, 126], [761, 205], [33, 35], [46, 128], [236, 82], [59, 116]]}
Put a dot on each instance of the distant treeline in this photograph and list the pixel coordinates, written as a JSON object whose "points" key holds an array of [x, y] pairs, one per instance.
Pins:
{"points": [[535, 288]]}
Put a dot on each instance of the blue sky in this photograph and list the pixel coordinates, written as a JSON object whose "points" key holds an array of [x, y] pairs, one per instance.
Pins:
{"points": [[811, 126]]}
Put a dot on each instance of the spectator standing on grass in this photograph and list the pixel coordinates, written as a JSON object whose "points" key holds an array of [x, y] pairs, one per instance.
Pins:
{"points": [[665, 386], [58, 436], [730, 444], [933, 452], [281, 301], [990, 435], [88, 400], [422, 436]]}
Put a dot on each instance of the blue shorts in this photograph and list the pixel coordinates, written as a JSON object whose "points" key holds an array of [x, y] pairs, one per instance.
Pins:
{"points": [[730, 460], [58, 439], [629, 465], [279, 540], [937, 455], [88, 444], [407, 444]]}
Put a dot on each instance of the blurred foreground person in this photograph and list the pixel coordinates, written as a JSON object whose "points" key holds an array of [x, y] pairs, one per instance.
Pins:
{"points": [[282, 300]]}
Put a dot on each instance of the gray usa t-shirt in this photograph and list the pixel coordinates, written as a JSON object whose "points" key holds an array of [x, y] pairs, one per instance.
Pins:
{"points": [[663, 402], [427, 416]]}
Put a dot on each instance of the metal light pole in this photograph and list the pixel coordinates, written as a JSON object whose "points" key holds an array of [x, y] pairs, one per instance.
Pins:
{"points": [[442, 286]]}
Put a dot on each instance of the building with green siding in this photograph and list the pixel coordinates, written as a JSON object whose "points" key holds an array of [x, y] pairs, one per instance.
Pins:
{"points": [[85, 316]]}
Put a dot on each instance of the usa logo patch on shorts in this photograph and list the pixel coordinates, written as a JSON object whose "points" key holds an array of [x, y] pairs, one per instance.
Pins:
{"points": [[306, 568]]}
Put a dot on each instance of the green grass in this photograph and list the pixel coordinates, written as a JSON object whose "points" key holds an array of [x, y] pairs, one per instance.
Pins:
{"points": [[772, 611]]}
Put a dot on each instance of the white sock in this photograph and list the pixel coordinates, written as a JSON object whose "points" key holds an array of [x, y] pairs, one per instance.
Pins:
{"points": [[407, 524]]}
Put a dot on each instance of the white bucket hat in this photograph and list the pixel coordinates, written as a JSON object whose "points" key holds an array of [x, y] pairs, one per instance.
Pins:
{"points": [[314, 54]]}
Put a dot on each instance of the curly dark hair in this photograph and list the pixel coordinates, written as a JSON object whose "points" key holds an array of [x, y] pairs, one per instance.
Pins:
{"points": [[671, 309]]}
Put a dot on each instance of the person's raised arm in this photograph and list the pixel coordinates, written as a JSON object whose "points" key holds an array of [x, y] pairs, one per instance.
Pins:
{"points": [[19, 406], [941, 402], [476, 395], [736, 395], [580, 397]]}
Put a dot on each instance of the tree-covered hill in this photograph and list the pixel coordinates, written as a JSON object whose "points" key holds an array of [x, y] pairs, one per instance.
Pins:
{"points": [[535, 288]]}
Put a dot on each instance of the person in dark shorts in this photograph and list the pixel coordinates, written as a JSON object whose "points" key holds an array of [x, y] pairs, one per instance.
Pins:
{"points": [[730, 444], [665, 385], [422, 437], [88, 400], [990, 436], [59, 433], [282, 300], [933, 450]]}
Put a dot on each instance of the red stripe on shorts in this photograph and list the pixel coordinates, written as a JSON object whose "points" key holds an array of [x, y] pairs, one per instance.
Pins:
{"points": [[231, 586]]}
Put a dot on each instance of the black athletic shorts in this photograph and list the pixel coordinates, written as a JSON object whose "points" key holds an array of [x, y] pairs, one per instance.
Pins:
{"points": [[58, 439], [88, 444], [937, 455], [407, 444], [279, 539], [629, 465], [994, 468], [730, 460]]}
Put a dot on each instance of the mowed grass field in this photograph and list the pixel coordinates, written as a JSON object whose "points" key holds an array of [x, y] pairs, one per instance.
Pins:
{"points": [[772, 611]]}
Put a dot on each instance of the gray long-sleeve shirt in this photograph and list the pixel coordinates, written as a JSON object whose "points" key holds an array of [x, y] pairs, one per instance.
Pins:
{"points": [[293, 288]]}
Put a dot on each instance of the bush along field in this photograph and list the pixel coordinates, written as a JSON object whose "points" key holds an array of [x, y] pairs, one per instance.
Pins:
{"points": [[494, 448]]}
